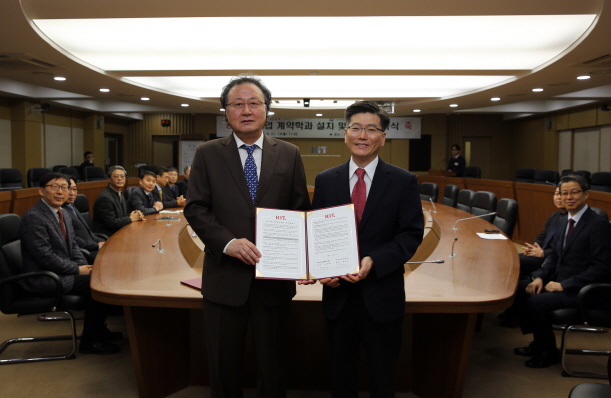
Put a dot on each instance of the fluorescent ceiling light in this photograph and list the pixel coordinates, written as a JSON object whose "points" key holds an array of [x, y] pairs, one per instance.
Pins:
{"points": [[59, 78], [104, 90], [368, 86], [505, 42], [314, 104], [586, 77], [453, 105]]}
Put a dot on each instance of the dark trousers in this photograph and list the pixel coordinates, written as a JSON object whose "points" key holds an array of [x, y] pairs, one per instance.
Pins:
{"points": [[225, 330], [529, 264], [532, 312], [382, 342], [95, 312]]}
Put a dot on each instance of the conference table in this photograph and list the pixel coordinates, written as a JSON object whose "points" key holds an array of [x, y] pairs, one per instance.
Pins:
{"points": [[164, 318]]}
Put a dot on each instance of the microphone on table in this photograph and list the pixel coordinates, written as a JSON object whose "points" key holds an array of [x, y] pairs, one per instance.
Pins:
{"points": [[452, 254], [434, 208], [160, 250], [469, 218], [550, 183], [425, 262]]}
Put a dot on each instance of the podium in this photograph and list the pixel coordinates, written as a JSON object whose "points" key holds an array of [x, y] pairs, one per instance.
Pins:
{"points": [[441, 173]]}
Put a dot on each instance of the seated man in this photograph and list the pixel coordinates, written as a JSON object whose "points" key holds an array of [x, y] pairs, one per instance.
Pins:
{"points": [[141, 199], [184, 184], [163, 193], [48, 244], [84, 236], [110, 212], [581, 255], [172, 179], [88, 162]]}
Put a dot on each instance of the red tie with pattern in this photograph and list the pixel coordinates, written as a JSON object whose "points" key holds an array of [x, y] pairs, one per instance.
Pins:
{"points": [[359, 195], [61, 223], [570, 231]]}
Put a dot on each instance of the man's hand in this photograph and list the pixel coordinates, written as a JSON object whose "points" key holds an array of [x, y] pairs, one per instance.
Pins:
{"points": [[534, 287], [554, 287], [244, 250], [100, 244], [85, 269], [158, 206], [136, 215], [366, 264], [306, 282], [533, 250], [181, 201], [331, 282]]}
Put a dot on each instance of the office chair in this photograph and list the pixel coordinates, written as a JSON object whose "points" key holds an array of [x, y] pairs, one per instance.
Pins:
{"points": [[128, 192], [14, 300], [472, 172], [464, 200], [429, 190], [10, 179], [601, 181], [506, 216], [34, 175], [584, 173], [71, 171], [547, 177], [600, 212], [593, 390], [526, 174], [450, 195], [56, 169], [94, 173], [483, 202]]}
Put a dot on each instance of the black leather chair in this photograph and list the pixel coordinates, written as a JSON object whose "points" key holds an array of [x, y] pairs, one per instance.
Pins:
{"points": [[464, 200], [600, 212], [593, 390], [566, 172], [127, 192], [526, 174], [82, 205], [586, 314], [71, 171], [94, 173], [483, 202], [34, 175], [472, 172], [601, 181], [148, 167], [10, 179], [584, 173], [429, 190], [14, 300], [56, 169], [547, 177], [450, 195], [506, 216]]}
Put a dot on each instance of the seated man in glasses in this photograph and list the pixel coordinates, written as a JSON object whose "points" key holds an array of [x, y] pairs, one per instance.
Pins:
{"points": [[581, 255], [48, 244]]}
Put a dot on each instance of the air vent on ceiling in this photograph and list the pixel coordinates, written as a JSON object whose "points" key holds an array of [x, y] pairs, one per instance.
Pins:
{"points": [[16, 61], [603, 60]]}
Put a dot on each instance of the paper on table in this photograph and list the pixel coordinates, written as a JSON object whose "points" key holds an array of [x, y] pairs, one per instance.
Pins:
{"points": [[491, 236]]}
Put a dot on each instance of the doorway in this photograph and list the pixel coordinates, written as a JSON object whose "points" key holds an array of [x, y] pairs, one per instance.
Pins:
{"points": [[113, 147], [477, 153]]}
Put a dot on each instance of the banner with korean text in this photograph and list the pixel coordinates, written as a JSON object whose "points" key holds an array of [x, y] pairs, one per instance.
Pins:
{"points": [[399, 128]]}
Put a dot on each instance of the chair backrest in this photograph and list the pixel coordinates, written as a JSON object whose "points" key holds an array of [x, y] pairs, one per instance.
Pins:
{"points": [[483, 202], [600, 212], [472, 172], [147, 167], [58, 168], [450, 195], [82, 205], [70, 171], [547, 177], [464, 200], [584, 173], [128, 192], [10, 179], [35, 174], [566, 172], [94, 173], [506, 216], [10, 258], [601, 181], [429, 190], [526, 174]]}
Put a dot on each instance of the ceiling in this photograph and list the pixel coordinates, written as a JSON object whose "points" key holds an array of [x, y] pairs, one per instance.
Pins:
{"points": [[30, 59]]}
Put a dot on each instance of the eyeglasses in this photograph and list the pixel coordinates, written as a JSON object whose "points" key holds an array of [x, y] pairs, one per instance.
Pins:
{"points": [[75, 189], [118, 177], [239, 105], [55, 187], [356, 129], [573, 192]]}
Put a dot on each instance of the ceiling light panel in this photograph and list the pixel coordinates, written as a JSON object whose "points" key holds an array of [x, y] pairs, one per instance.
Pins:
{"points": [[508, 42]]}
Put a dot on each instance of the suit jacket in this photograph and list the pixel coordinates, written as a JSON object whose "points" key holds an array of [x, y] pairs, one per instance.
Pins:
{"points": [[584, 259], [169, 199], [109, 213], [137, 201], [219, 209], [390, 232], [84, 236], [457, 165], [546, 237], [183, 187], [43, 248]]}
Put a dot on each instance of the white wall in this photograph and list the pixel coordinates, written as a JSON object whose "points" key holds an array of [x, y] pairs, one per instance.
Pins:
{"points": [[58, 146], [77, 146]]}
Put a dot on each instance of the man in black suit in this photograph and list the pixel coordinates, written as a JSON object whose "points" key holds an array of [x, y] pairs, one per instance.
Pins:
{"points": [[581, 255], [231, 177], [87, 162], [110, 212], [142, 198], [368, 307], [172, 180], [83, 235], [183, 186], [48, 244], [163, 193], [457, 163]]}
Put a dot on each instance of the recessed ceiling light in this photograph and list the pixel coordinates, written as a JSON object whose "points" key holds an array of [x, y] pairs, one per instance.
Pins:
{"points": [[453, 105], [319, 114], [495, 99], [537, 90], [145, 98], [416, 110], [59, 78], [104, 90], [185, 105], [222, 109], [271, 113], [586, 77]]}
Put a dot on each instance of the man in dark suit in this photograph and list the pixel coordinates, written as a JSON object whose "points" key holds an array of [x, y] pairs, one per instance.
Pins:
{"points": [[368, 307], [457, 163], [110, 212], [172, 180], [183, 186], [84, 236], [163, 192], [232, 176], [48, 244], [88, 162], [581, 255], [142, 198]]}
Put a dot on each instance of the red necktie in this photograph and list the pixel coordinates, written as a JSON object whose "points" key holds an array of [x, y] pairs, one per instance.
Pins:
{"points": [[359, 195], [570, 231], [61, 223]]}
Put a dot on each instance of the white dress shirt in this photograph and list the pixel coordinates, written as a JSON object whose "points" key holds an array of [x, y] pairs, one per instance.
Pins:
{"points": [[370, 170]]}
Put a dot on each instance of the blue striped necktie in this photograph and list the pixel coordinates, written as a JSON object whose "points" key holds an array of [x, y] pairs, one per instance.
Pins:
{"points": [[250, 171]]}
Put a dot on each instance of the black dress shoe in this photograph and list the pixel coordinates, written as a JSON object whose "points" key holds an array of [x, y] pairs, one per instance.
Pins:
{"points": [[98, 347], [544, 359], [529, 351]]}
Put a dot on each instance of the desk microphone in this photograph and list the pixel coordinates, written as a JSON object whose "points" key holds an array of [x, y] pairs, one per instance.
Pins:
{"points": [[452, 254], [425, 262], [434, 208], [463, 219], [160, 250], [550, 183]]}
